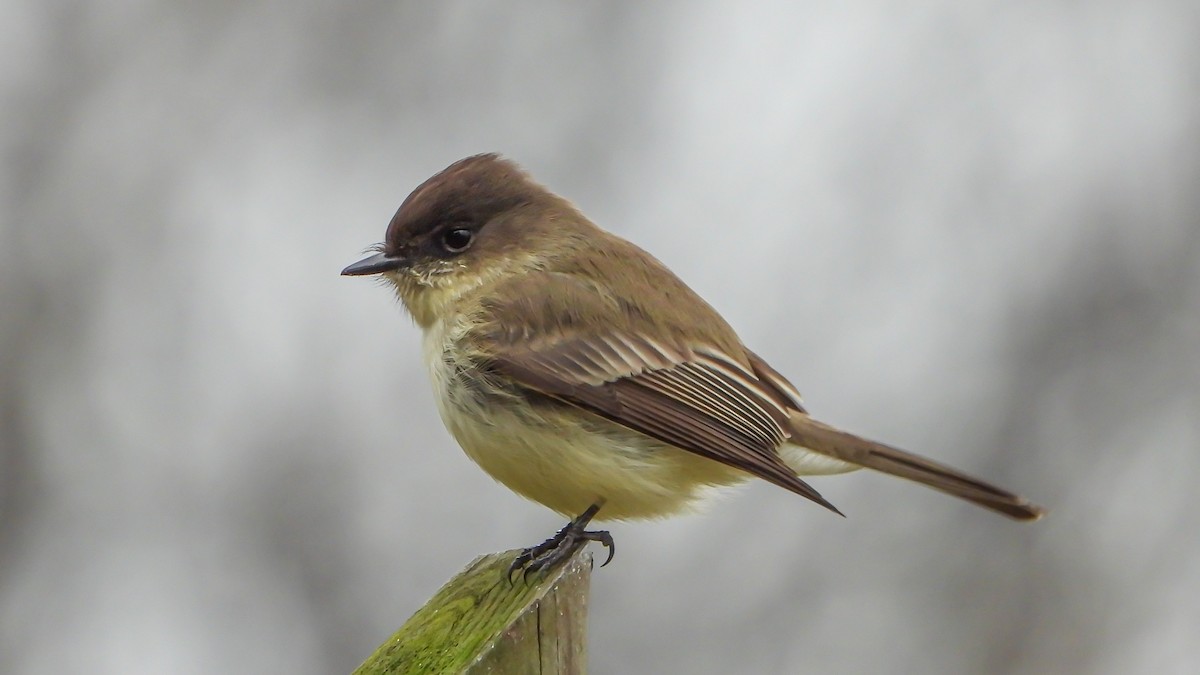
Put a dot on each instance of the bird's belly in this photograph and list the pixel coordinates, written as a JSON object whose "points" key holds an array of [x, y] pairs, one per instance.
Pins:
{"points": [[561, 456], [568, 460]]}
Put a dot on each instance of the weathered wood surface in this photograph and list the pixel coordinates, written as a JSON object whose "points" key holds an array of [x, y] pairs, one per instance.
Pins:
{"points": [[481, 623]]}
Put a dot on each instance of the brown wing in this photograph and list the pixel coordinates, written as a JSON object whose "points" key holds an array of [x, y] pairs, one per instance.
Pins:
{"points": [[694, 398], [776, 385]]}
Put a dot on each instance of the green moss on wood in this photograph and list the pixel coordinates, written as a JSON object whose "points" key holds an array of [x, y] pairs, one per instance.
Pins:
{"points": [[479, 622]]}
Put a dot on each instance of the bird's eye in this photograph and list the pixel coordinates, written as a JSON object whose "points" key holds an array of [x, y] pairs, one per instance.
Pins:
{"points": [[457, 240]]}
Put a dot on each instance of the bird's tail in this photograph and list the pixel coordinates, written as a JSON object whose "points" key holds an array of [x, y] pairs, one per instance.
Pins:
{"points": [[829, 441]]}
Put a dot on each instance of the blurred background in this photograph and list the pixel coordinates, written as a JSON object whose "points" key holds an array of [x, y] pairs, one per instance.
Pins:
{"points": [[969, 229]]}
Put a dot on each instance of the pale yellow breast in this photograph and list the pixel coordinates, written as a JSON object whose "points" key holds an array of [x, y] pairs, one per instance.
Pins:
{"points": [[568, 459]]}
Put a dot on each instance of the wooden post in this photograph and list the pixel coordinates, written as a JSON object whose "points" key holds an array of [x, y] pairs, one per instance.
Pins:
{"points": [[480, 623]]}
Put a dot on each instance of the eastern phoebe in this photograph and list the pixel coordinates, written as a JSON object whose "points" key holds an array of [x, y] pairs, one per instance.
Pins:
{"points": [[581, 373]]}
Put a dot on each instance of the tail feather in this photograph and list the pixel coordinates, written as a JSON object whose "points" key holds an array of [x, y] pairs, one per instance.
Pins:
{"points": [[826, 440]]}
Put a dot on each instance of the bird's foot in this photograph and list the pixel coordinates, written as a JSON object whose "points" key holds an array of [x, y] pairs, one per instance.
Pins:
{"points": [[562, 546]]}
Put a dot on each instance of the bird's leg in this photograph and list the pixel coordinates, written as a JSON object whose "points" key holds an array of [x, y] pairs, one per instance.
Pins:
{"points": [[563, 545]]}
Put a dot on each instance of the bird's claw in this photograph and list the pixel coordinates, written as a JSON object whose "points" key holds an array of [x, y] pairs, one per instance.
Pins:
{"points": [[560, 547]]}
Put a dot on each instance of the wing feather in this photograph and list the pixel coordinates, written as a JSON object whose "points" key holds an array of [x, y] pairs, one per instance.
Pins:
{"points": [[698, 400], [672, 383]]}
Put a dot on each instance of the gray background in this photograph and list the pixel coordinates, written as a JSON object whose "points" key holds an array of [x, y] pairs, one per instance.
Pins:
{"points": [[968, 228]]}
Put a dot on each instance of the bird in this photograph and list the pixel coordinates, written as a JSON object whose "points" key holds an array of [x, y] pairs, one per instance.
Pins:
{"points": [[580, 372]]}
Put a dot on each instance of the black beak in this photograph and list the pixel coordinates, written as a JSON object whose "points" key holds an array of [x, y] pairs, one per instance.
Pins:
{"points": [[377, 263]]}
